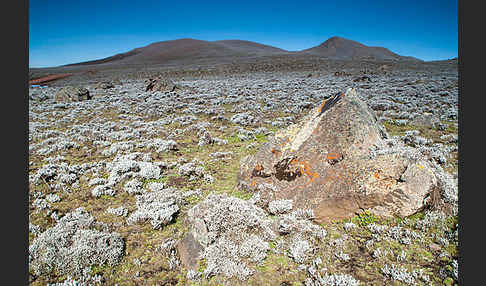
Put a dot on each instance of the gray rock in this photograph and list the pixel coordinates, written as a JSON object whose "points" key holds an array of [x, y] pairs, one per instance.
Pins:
{"points": [[72, 94], [161, 84]]}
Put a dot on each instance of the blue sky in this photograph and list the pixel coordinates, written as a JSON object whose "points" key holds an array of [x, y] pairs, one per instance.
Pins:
{"points": [[63, 32]]}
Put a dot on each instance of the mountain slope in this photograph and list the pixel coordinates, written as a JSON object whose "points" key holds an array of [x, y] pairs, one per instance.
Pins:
{"points": [[344, 49], [187, 50], [251, 47]]}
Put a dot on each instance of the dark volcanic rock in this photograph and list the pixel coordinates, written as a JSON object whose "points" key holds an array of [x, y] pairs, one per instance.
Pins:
{"points": [[362, 79], [105, 85], [325, 163], [341, 73], [72, 93], [160, 84]]}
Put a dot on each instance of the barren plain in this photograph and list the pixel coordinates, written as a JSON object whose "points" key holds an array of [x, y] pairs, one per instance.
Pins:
{"points": [[114, 181]]}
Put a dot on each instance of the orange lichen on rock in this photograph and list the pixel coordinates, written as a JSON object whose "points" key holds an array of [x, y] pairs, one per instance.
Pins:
{"points": [[377, 176], [333, 156], [286, 140], [275, 152], [305, 169], [321, 106], [257, 171]]}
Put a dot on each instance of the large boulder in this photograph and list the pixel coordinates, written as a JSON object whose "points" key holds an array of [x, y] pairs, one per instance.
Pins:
{"points": [[72, 94], [335, 162], [161, 84], [384, 68]]}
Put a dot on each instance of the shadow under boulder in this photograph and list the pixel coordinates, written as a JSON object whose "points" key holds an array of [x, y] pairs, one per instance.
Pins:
{"points": [[337, 161]]}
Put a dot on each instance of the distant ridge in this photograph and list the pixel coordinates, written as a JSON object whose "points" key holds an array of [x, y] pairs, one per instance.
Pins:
{"points": [[188, 50]]}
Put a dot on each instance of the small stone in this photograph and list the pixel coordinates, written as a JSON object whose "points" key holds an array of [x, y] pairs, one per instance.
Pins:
{"points": [[434, 247]]}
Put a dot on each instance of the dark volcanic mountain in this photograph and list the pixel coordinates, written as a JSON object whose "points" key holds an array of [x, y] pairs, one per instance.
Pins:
{"points": [[188, 50], [343, 49]]}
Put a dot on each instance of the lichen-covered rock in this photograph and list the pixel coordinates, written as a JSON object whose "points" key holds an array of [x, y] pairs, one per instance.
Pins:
{"points": [[72, 245], [72, 94], [335, 162]]}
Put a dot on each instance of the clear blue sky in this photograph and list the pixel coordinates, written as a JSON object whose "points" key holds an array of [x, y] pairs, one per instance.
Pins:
{"points": [[63, 32]]}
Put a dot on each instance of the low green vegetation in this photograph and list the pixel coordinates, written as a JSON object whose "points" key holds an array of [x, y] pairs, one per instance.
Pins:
{"points": [[364, 218]]}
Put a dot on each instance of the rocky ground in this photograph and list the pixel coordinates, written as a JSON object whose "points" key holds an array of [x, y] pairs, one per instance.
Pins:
{"points": [[117, 181]]}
